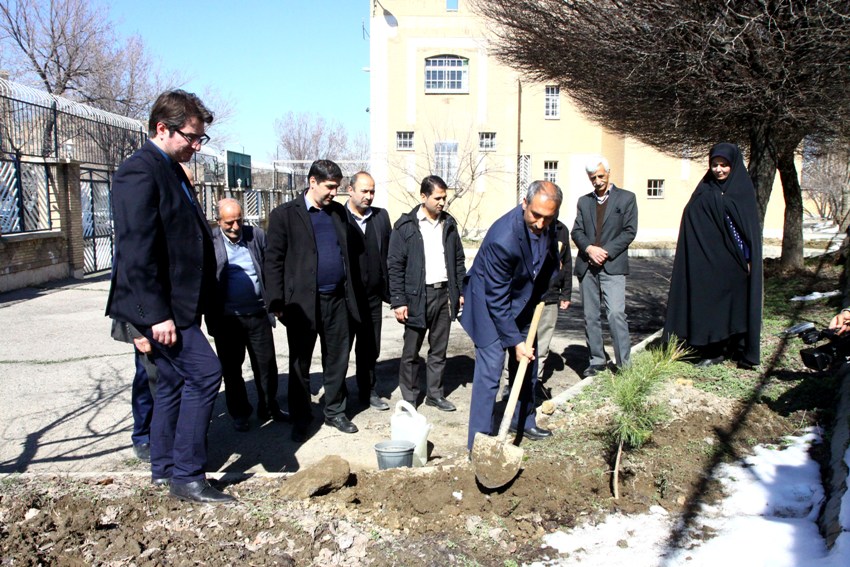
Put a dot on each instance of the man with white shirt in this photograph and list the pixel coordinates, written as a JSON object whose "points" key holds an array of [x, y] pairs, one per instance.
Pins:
{"points": [[426, 267]]}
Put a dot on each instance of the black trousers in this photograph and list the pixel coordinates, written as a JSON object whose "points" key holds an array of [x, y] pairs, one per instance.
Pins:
{"points": [[236, 334], [333, 329], [367, 346], [437, 325]]}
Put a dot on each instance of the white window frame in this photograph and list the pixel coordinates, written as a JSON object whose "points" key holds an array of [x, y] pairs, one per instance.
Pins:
{"points": [[446, 74], [404, 140], [654, 188], [552, 102], [550, 171], [486, 141], [446, 162]]}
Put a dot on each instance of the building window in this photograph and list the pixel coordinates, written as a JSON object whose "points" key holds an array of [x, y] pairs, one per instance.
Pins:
{"points": [[446, 162], [550, 171], [446, 74], [404, 140], [655, 188], [553, 102], [486, 141]]}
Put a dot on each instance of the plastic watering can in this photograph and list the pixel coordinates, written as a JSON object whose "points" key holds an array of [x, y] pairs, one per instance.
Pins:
{"points": [[408, 425]]}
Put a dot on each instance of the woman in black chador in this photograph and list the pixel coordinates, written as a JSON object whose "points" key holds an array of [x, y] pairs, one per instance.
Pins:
{"points": [[715, 298]]}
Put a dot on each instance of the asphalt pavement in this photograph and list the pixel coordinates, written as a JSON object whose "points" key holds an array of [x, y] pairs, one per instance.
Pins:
{"points": [[65, 386]]}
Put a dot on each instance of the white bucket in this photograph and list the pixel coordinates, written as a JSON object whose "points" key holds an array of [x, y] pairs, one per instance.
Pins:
{"points": [[408, 425]]}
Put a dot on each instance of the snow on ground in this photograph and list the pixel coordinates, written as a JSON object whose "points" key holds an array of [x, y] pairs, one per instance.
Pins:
{"points": [[767, 519]]}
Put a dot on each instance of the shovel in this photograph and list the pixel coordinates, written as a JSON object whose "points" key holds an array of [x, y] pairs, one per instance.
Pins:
{"points": [[495, 461]]}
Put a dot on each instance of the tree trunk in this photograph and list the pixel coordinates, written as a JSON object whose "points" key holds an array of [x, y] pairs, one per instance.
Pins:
{"points": [[762, 166], [792, 231]]}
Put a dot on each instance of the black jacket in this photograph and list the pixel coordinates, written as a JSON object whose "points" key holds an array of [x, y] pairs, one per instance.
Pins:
{"points": [[164, 265], [406, 266], [380, 223], [561, 287], [292, 262]]}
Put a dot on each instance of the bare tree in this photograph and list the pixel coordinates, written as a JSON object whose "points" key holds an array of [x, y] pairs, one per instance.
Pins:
{"points": [[680, 75], [461, 168], [826, 181], [307, 136], [69, 48]]}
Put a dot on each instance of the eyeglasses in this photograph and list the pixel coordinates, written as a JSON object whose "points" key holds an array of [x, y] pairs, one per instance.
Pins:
{"points": [[193, 138]]}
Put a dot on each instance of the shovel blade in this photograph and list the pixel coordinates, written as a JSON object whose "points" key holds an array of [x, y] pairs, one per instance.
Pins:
{"points": [[495, 462]]}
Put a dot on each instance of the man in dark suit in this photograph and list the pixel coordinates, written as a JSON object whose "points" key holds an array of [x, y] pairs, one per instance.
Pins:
{"points": [[240, 321], [605, 226], [162, 282], [370, 239], [511, 273], [310, 291]]}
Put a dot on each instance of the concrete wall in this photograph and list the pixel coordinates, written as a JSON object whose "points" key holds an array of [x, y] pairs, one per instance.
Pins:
{"points": [[37, 257]]}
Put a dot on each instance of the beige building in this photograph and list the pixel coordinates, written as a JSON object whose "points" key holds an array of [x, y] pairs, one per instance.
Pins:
{"points": [[441, 103]]}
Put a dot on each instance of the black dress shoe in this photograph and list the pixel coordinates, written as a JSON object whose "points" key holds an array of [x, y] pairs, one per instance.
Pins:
{"points": [[593, 370], [441, 404], [241, 424], [161, 482], [377, 403], [342, 423], [744, 365], [277, 415], [199, 491], [533, 433], [705, 362], [143, 452]]}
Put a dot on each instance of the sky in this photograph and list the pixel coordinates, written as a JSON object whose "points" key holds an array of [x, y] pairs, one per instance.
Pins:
{"points": [[768, 519], [269, 57]]}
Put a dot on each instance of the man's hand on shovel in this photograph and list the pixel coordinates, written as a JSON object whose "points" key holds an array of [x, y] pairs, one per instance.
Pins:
{"points": [[522, 350]]}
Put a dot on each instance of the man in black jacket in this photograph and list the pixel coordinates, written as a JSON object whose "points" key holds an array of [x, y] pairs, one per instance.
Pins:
{"points": [[426, 270], [309, 288], [370, 241]]}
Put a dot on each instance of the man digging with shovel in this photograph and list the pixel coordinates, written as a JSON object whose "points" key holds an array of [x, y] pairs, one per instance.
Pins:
{"points": [[508, 278]]}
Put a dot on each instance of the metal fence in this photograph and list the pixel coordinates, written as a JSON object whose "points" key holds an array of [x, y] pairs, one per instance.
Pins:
{"points": [[36, 126], [24, 197]]}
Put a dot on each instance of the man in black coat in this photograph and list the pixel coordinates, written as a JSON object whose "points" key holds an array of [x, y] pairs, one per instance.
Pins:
{"points": [[369, 229], [163, 280], [310, 290], [426, 266]]}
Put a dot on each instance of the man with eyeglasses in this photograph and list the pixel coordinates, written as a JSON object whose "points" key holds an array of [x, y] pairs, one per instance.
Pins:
{"points": [[163, 281], [605, 226]]}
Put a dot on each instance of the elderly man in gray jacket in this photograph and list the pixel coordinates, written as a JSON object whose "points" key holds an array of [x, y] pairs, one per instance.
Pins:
{"points": [[605, 226]]}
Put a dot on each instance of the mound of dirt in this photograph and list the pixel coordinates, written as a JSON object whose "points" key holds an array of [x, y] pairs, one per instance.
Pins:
{"points": [[325, 515]]}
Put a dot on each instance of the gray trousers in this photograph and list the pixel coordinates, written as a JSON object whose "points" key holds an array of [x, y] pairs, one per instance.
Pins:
{"points": [[599, 289], [545, 330]]}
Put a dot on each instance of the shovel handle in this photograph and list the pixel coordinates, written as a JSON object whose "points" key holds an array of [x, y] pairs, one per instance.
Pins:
{"points": [[520, 375]]}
